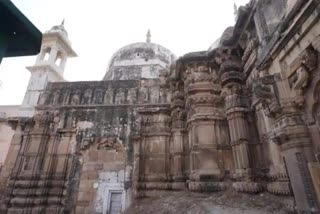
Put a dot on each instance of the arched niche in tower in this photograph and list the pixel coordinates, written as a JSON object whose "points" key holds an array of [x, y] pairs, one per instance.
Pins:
{"points": [[45, 55]]}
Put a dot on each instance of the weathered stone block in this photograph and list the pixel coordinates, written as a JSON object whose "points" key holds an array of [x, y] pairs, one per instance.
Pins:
{"points": [[86, 184], [93, 155]]}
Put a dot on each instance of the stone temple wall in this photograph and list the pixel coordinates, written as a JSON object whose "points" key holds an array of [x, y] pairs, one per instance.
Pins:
{"points": [[242, 116], [77, 150]]}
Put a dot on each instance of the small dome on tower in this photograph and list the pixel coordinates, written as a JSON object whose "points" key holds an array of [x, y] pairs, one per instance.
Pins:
{"points": [[59, 28], [139, 60]]}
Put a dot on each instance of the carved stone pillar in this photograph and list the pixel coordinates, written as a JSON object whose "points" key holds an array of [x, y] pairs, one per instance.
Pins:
{"points": [[10, 168], [26, 175], [154, 156], [291, 133], [265, 91], [206, 132], [177, 143], [137, 164], [236, 110]]}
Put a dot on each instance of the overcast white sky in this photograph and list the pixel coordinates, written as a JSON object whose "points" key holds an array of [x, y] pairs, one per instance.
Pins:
{"points": [[98, 28]]}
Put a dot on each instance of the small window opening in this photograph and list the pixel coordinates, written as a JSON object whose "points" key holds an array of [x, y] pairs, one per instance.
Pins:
{"points": [[58, 61], [46, 55]]}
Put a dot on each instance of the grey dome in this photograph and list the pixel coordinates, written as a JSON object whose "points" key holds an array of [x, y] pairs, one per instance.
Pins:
{"points": [[139, 60]]}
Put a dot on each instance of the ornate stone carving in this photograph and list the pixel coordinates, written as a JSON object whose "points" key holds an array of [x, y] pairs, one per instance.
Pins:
{"points": [[178, 118], [66, 97], [132, 95], [214, 100], [231, 77], [75, 100], [43, 98], [279, 188], [253, 43], [300, 76], [163, 76], [109, 143], [56, 97], [108, 96], [43, 118], [264, 91], [143, 95], [86, 99], [248, 187], [309, 59], [236, 100], [120, 97], [98, 96], [199, 72], [85, 139], [163, 96]]}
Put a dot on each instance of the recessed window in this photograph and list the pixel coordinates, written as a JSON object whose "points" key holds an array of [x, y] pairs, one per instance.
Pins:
{"points": [[46, 55], [58, 61]]}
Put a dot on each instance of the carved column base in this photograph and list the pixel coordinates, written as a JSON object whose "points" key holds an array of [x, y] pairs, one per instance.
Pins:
{"points": [[154, 186], [179, 185], [243, 174], [248, 187], [279, 188], [206, 186]]}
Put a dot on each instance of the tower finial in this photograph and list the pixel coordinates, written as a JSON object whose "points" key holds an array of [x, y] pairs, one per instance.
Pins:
{"points": [[148, 36], [235, 9]]}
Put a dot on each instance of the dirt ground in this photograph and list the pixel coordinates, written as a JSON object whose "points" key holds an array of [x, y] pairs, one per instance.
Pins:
{"points": [[211, 203]]}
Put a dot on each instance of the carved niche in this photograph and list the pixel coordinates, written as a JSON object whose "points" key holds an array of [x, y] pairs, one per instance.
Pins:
{"points": [[198, 72], [264, 89], [300, 72], [108, 96], [109, 143], [143, 95], [87, 96], [43, 119], [75, 100], [87, 139], [66, 97], [120, 97], [132, 95], [56, 96], [98, 96]]}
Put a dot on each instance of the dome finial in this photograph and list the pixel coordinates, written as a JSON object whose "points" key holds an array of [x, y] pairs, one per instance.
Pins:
{"points": [[148, 36], [62, 23]]}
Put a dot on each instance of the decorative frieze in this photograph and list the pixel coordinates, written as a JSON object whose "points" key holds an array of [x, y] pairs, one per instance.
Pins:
{"points": [[264, 89]]}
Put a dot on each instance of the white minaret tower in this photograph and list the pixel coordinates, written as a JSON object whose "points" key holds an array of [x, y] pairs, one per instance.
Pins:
{"points": [[49, 66]]}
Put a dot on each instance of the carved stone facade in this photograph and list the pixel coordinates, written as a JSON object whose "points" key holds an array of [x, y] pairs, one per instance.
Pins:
{"points": [[243, 116]]}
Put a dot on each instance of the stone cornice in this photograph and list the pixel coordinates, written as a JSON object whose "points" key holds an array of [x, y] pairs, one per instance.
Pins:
{"points": [[287, 29]]}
